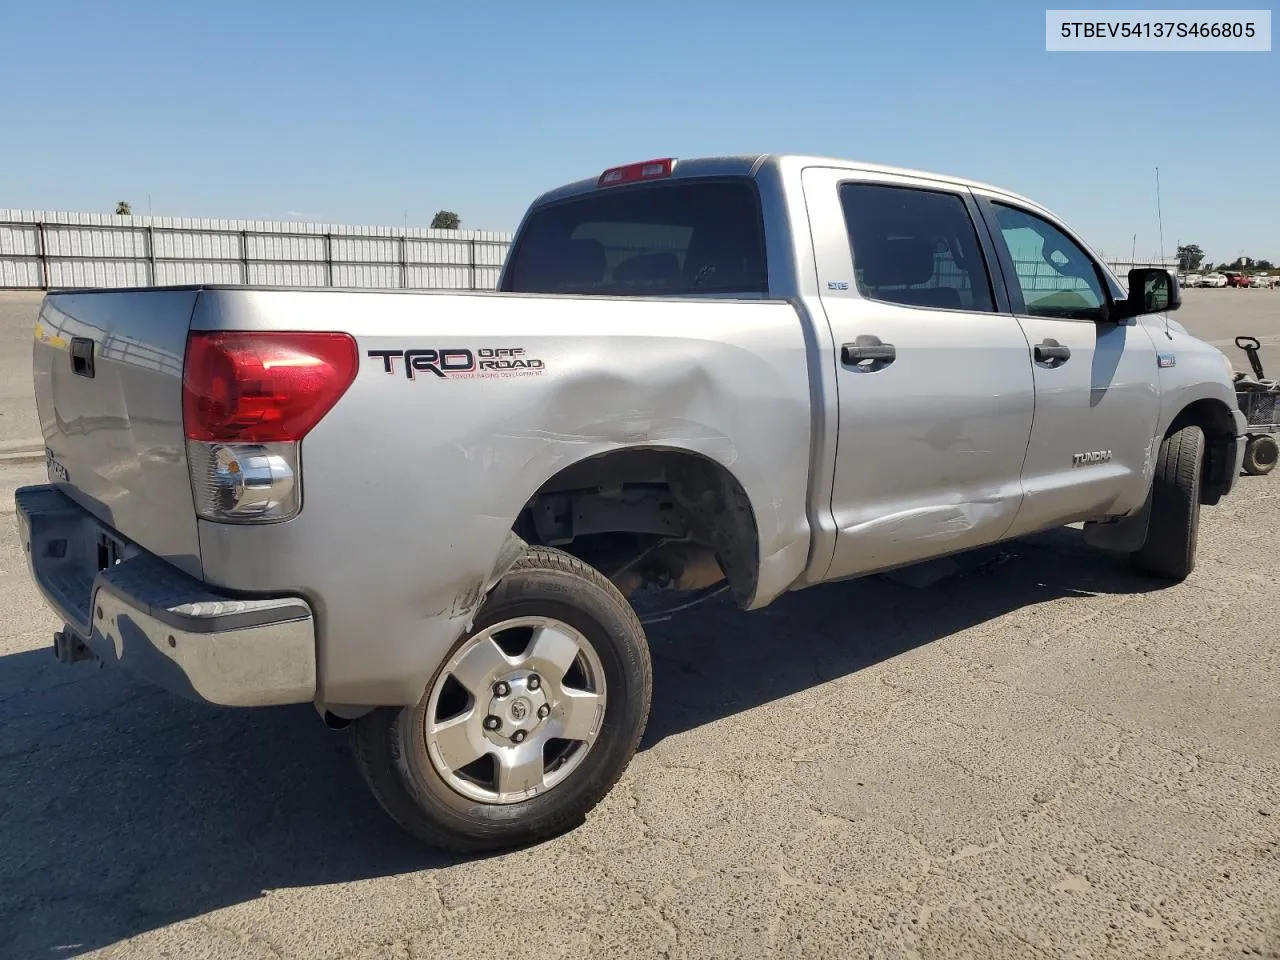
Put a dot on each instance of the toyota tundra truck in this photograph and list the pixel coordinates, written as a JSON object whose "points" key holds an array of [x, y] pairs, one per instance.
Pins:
{"points": [[425, 512]]}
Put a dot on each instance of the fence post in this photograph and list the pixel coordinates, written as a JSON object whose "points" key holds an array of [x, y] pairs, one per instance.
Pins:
{"points": [[328, 259], [244, 257], [151, 253], [42, 256], [404, 265], [472, 244]]}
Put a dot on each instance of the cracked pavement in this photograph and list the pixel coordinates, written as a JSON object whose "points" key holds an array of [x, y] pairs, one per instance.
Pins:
{"points": [[1041, 755]]}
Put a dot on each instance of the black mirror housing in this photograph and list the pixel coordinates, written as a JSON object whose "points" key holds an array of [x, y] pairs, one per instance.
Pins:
{"points": [[1151, 290]]}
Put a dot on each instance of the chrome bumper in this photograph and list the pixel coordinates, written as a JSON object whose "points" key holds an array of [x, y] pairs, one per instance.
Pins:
{"points": [[158, 623]]}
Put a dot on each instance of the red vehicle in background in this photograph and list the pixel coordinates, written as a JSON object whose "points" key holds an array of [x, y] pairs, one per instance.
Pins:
{"points": [[1237, 279]]}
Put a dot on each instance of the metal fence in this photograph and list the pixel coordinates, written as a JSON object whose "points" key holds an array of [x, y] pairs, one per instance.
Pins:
{"points": [[42, 249]]}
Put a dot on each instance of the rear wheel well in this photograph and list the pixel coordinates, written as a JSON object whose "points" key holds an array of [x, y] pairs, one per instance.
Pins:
{"points": [[666, 518], [1218, 424]]}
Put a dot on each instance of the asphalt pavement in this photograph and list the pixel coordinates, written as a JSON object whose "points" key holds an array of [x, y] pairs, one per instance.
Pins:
{"points": [[1042, 755]]}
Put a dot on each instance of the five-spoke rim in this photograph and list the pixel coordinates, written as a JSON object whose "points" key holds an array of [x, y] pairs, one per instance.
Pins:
{"points": [[515, 710]]}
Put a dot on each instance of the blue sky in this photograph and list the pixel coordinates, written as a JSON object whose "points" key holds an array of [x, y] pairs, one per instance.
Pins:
{"points": [[357, 112]]}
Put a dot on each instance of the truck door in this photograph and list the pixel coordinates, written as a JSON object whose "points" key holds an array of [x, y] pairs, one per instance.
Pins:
{"points": [[933, 374], [1097, 397]]}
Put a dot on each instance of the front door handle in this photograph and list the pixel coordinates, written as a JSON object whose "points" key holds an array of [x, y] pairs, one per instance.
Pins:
{"points": [[868, 353], [1051, 353]]}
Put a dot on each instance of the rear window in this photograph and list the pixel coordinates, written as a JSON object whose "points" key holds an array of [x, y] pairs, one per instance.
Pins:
{"points": [[677, 238]]}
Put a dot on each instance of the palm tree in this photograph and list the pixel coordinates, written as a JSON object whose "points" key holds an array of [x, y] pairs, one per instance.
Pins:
{"points": [[123, 209]]}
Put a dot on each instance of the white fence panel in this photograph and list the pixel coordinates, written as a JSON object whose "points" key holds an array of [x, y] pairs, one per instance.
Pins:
{"points": [[97, 273], [196, 245], [439, 252], [365, 250], [489, 254], [20, 239], [68, 250], [20, 272], [103, 242], [444, 278], [287, 274], [174, 273], [266, 246], [373, 275]]}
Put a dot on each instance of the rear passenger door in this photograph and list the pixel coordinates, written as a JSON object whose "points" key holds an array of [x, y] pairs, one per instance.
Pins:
{"points": [[1097, 402], [933, 371]]}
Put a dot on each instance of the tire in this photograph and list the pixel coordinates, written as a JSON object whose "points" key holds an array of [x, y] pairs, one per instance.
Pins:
{"points": [[1260, 455], [1170, 548], [559, 593]]}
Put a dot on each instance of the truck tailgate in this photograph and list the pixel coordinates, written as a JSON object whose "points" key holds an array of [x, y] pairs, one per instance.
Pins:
{"points": [[108, 390]]}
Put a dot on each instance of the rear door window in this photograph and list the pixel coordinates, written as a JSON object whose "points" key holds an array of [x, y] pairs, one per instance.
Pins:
{"points": [[676, 238], [915, 247]]}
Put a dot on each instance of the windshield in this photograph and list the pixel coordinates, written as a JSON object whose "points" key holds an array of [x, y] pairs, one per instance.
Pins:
{"points": [[676, 238]]}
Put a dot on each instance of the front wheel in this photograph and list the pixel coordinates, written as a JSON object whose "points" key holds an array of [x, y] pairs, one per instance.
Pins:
{"points": [[528, 723], [1170, 548]]}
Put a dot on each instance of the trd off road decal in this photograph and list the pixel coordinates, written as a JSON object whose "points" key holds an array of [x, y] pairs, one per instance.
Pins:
{"points": [[459, 363]]}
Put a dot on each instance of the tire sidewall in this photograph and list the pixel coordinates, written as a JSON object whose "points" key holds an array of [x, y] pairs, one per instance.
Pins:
{"points": [[1193, 541], [1196, 436], [618, 641]]}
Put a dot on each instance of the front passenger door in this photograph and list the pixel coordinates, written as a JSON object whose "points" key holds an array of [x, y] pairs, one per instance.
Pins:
{"points": [[1096, 396]]}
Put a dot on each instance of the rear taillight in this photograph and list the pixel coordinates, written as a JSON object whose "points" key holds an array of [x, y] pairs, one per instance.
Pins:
{"points": [[263, 387], [247, 400]]}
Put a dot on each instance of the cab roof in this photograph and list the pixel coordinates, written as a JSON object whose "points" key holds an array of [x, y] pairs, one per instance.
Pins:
{"points": [[745, 165]]}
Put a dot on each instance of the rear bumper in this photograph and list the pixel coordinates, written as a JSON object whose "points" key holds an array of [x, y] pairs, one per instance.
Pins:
{"points": [[158, 623]]}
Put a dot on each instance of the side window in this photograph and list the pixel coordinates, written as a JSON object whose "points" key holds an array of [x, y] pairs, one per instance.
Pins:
{"points": [[1056, 277], [915, 247]]}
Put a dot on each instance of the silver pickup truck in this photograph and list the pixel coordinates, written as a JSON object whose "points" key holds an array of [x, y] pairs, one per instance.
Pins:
{"points": [[425, 512]]}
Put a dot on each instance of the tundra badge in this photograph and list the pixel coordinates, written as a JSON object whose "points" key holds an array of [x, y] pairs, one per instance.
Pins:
{"points": [[1093, 456]]}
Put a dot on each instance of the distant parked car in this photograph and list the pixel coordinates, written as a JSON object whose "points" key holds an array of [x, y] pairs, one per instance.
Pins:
{"points": [[1262, 280], [1213, 280]]}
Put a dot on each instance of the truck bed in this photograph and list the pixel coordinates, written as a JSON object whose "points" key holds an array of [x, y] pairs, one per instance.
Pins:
{"points": [[462, 406]]}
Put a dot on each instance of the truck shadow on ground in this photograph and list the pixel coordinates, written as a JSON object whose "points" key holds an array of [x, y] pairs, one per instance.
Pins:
{"points": [[716, 661], [124, 809]]}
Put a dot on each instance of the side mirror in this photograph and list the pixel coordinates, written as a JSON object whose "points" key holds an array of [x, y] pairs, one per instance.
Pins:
{"points": [[1151, 290]]}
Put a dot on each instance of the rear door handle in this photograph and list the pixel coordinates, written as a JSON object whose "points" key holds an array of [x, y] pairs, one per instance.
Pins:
{"points": [[868, 353], [1051, 353]]}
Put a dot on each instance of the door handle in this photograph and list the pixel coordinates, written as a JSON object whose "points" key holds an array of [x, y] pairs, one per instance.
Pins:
{"points": [[1051, 353], [82, 357], [868, 353]]}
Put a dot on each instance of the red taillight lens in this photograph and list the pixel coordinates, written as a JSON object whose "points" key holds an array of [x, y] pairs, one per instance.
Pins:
{"points": [[263, 387]]}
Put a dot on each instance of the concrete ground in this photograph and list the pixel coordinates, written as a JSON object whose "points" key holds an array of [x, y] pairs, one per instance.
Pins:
{"points": [[1042, 756], [19, 429]]}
